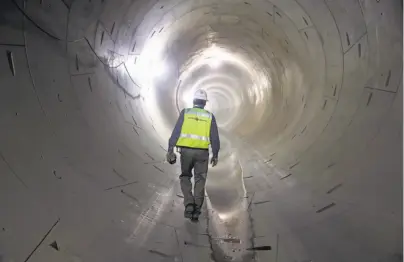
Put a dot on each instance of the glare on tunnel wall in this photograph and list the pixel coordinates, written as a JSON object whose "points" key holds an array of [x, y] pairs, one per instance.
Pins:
{"points": [[214, 62], [144, 92], [187, 98], [160, 69]]}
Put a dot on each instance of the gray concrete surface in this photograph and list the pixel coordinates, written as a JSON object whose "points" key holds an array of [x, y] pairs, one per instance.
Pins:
{"points": [[308, 98]]}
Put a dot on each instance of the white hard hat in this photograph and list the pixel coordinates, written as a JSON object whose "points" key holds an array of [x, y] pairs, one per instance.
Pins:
{"points": [[201, 94]]}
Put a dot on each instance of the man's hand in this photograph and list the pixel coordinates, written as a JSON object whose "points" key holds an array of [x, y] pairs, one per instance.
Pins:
{"points": [[214, 161], [171, 157]]}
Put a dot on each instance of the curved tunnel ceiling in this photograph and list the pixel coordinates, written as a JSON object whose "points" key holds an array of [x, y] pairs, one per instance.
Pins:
{"points": [[307, 94]]}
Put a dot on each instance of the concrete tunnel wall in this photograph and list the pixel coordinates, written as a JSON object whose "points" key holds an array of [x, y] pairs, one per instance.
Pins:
{"points": [[75, 137]]}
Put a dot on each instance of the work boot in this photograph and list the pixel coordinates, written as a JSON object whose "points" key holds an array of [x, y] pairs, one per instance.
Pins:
{"points": [[196, 214], [189, 210]]}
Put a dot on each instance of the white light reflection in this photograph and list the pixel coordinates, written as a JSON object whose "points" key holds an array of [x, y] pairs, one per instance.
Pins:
{"points": [[150, 64], [149, 68], [144, 92], [187, 98], [226, 216], [160, 69], [214, 63]]}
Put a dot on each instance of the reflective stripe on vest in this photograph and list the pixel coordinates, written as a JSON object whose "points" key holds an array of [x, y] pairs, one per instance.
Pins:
{"points": [[199, 114], [195, 130], [203, 138]]}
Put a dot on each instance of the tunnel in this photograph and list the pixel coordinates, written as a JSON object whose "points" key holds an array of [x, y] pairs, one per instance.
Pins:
{"points": [[307, 95]]}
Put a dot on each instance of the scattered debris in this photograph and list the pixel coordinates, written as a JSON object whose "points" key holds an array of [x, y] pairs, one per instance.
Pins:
{"points": [[159, 253], [127, 184], [195, 245], [325, 104], [348, 41], [369, 99], [159, 169], [10, 59], [262, 202], [77, 63], [89, 84], [286, 176], [134, 129], [149, 156], [388, 79], [55, 245], [305, 21], [325, 208], [131, 197], [54, 173], [260, 248], [119, 175], [331, 165], [292, 166], [334, 188]]}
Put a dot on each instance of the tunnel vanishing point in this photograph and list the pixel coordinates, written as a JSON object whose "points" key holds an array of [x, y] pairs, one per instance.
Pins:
{"points": [[307, 95]]}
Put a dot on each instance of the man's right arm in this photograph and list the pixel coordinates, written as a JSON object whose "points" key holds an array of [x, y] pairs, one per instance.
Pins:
{"points": [[214, 138], [176, 132]]}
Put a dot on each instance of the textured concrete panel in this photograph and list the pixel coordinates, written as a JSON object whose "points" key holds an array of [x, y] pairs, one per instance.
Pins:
{"points": [[294, 12], [21, 213], [83, 14], [348, 16], [11, 24], [50, 16], [379, 33], [82, 59]]}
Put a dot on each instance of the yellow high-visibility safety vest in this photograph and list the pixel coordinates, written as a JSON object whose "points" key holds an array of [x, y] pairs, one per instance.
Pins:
{"points": [[195, 131]]}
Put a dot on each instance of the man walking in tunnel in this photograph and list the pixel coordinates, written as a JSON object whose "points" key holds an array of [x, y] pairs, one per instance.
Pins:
{"points": [[194, 131]]}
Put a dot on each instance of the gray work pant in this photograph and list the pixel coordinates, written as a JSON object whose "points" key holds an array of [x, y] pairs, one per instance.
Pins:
{"points": [[197, 159]]}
